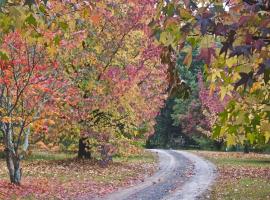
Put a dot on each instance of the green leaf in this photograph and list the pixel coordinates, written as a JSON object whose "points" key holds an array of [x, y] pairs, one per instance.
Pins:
{"points": [[157, 33], [34, 34], [192, 41], [241, 117], [216, 131], [232, 129], [266, 76], [184, 14], [57, 39], [31, 20], [169, 10], [3, 56], [166, 38], [255, 121], [152, 24], [223, 116], [251, 138], [42, 9], [63, 26]]}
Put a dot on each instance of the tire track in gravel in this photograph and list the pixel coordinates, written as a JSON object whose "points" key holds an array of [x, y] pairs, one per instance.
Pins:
{"points": [[204, 176], [181, 176]]}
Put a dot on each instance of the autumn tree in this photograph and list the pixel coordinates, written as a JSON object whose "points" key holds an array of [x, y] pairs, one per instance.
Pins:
{"points": [[33, 87], [110, 90], [120, 77], [29, 89], [233, 40]]}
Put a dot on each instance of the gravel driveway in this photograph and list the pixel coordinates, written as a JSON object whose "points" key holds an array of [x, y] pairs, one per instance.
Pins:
{"points": [[181, 176]]}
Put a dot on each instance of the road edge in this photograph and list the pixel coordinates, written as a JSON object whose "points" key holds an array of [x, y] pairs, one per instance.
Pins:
{"points": [[165, 167], [205, 174]]}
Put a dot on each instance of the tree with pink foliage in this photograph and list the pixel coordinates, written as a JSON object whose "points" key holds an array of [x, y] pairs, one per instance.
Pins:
{"points": [[211, 103]]}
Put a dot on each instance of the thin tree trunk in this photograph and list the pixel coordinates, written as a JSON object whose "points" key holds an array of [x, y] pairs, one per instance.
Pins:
{"points": [[13, 165], [83, 149], [10, 165], [246, 148], [17, 172], [12, 159]]}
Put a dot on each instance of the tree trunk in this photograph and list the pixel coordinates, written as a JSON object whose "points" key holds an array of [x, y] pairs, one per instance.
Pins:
{"points": [[246, 148], [12, 158], [13, 165], [218, 144], [83, 149]]}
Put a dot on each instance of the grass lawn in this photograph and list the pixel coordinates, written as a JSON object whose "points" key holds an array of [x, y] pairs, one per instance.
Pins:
{"points": [[62, 176], [241, 176]]}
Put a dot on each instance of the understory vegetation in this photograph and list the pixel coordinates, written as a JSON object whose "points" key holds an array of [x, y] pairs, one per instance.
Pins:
{"points": [[51, 175]]}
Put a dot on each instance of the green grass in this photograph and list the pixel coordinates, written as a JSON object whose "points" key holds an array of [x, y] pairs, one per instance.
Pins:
{"points": [[42, 155], [248, 183], [240, 162], [39, 155], [243, 189]]}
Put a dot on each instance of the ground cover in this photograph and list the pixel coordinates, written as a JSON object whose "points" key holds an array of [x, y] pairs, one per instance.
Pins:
{"points": [[241, 176], [62, 176]]}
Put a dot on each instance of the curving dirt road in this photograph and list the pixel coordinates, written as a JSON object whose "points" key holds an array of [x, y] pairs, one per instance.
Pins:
{"points": [[181, 176]]}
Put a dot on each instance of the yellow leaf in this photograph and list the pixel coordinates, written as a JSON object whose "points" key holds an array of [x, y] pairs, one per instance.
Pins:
{"points": [[255, 86], [206, 42], [223, 91], [244, 68], [267, 136], [166, 38], [18, 119], [215, 74], [266, 108], [6, 119], [98, 49], [50, 122], [223, 131], [185, 14], [212, 88], [265, 126], [231, 140], [52, 50], [188, 59], [231, 61]]}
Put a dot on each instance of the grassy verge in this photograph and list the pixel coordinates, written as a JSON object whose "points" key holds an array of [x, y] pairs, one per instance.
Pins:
{"points": [[62, 176], [241, 176]]}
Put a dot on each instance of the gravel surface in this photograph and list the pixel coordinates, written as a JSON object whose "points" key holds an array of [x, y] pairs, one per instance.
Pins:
{"points": [[204, 175], [181, 175]]}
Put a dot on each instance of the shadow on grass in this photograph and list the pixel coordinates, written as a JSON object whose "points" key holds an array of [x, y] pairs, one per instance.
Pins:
{"points": [[260, 162]]}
